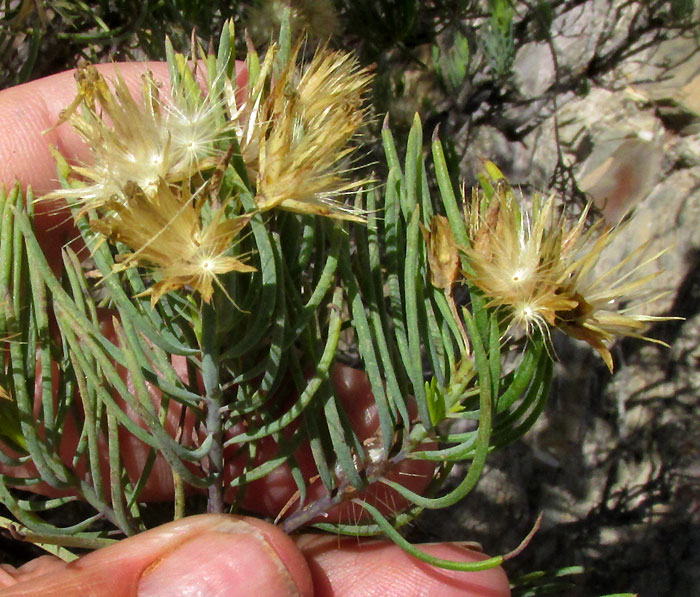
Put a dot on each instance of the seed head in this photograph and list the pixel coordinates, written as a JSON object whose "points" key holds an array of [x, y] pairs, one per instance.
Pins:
{"points": [[515, 258], [296, 141], [608, 303], [167, 232], [541, 268], [138, 142]]}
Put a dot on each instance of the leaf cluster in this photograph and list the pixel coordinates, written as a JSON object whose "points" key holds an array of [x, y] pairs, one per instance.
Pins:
{"points": [[201, 379], [195, 381]]}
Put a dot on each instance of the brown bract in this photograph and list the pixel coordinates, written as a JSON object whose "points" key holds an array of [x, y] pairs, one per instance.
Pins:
{"points": [[443, 254]]}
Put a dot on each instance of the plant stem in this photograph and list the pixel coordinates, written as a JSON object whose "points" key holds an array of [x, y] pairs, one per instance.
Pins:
{"points": [[374, 473], [210, 377]]}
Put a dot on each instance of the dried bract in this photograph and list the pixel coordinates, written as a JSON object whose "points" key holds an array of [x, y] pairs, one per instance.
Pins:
{"points": [[443, 254]]}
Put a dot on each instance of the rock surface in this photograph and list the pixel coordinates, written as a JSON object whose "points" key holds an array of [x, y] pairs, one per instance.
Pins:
{"points": [[614, 464]]}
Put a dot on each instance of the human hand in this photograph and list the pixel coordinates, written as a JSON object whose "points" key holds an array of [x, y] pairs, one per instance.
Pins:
{"points": [[208, 554]]}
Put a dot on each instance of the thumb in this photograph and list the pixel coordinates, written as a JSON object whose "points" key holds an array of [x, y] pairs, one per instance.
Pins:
{"points": [[200, 555]]}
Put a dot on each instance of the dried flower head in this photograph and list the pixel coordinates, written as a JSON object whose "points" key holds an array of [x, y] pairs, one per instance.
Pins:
{"points": [[138, 142], [515, 259], [599, 315], [297, 139], [443, 261], [541, 267], [167, 232]]}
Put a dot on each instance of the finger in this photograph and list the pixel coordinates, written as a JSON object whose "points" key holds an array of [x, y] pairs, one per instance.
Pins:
{"points": [[201, 555], [346, 567], [9, 575]]}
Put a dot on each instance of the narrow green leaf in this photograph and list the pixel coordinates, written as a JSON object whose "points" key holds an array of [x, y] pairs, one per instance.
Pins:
{"points": [[412, 281]]}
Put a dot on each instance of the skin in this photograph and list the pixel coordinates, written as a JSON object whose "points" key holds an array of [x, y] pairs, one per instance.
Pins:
{"points": [[208, 554]]}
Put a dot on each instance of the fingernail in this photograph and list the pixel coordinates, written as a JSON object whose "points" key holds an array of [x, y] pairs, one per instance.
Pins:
{"points": [[471, 546], [232, 559]]}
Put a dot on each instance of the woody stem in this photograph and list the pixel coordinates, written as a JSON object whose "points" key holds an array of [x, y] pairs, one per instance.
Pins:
{"points": [[212, 399]]}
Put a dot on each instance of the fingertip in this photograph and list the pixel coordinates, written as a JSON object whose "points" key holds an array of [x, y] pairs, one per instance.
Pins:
{"points": [[209, 555], [288, 552], [216, 554], [226, 555], [237, 557], [351, 568]]}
